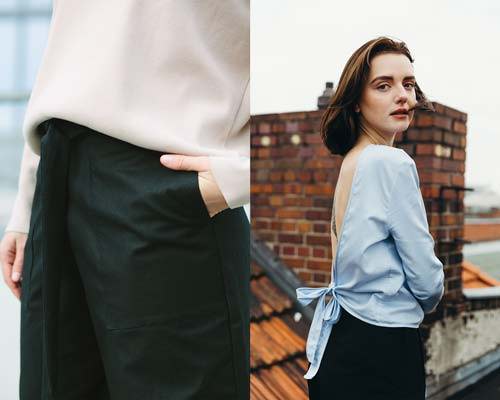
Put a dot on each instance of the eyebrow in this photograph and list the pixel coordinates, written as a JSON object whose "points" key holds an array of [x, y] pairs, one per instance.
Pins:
{"points": [[390, 78]]}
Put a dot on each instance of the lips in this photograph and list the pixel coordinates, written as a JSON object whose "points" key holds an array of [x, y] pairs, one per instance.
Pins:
{"points": [[400, 111], [400, 116]]}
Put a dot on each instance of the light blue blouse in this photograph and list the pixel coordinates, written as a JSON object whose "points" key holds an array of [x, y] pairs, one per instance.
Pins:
{"points": [[386, 272]]}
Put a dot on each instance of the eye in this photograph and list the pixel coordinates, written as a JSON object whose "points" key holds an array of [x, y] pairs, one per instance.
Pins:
{"points": [[409, 85], [383, 87]]}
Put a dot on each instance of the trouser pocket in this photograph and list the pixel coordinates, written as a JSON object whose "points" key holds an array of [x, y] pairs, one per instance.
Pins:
{"points": [[147, 234]]}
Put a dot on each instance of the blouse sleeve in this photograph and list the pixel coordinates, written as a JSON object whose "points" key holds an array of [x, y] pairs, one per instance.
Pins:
{"points": [[408, 226]]}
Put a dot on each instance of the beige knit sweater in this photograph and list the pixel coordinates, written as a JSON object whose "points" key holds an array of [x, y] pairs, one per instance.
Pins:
{"points": [[166, 75]]}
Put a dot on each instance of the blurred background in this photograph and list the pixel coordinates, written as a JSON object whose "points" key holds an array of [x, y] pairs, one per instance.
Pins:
{"points": [[24, 27]]}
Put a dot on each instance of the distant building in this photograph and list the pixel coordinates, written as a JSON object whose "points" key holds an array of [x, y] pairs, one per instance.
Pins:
{"points": [[483, 200]]}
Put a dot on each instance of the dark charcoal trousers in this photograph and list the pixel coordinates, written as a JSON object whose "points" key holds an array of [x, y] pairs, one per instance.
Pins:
{"points": [[364, 361], [130, 290]]}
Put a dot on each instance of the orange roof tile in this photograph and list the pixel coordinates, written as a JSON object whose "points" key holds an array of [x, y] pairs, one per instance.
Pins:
{"points": [[277, 342], [473, 277], [279, 382]]}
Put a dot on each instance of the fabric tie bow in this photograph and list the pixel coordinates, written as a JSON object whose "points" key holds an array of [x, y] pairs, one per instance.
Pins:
{"points": [[325, 316]]}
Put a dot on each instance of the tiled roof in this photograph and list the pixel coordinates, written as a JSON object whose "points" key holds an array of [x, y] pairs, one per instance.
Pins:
{"points": [[278, 332], [473, 277]]}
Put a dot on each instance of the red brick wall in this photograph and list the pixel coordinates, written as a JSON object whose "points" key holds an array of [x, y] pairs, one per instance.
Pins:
{"points": [[294, 175]]}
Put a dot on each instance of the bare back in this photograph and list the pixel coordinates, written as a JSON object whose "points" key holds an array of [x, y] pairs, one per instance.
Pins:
{"points": [[341, 195]]}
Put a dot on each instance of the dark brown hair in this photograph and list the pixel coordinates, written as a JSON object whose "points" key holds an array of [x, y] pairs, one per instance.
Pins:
{"points": [[340, 123]]}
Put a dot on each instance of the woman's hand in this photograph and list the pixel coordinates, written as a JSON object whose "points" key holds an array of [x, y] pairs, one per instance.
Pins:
{"points": [[12, 257], [210, 192]]}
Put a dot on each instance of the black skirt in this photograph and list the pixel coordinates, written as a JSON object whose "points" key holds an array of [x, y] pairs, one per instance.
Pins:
{"points": [[364, 361], [130, 289]]}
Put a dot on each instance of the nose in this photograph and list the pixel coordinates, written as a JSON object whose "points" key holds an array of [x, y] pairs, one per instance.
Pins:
{"points": [[402, 96]]}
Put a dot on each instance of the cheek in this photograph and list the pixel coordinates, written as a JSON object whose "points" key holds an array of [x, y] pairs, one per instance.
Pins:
{"points": [[373, 103], [412, 99], [380, 105]]}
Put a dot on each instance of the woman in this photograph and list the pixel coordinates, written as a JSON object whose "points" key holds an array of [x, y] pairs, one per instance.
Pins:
{"points": [[364, 341], [128, 230]]}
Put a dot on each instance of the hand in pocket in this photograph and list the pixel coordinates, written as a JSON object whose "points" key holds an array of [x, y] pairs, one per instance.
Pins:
{"points": [[210, 191]]}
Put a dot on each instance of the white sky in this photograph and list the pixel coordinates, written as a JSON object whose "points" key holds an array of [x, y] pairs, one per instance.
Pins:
{"points": [[298, 45]]}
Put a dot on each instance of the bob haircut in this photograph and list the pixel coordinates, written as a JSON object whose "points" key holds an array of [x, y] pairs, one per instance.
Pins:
{"points": [[339, 127]]}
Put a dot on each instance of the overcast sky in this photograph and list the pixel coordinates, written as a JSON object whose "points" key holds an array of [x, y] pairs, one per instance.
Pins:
{"points": [[298, 45]]}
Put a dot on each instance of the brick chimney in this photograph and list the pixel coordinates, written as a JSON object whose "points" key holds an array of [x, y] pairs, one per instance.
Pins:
{"points": [[294, 176], [324, 99]]}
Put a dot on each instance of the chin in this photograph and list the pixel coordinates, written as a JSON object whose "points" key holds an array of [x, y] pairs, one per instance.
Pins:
{"points": [[401, 126]]}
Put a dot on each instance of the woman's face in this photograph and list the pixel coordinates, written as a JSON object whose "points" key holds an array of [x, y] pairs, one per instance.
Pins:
{"points": [[389, 94]]}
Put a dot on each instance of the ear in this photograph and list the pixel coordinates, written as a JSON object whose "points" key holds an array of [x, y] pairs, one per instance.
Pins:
{"points": [[356, 108]]}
